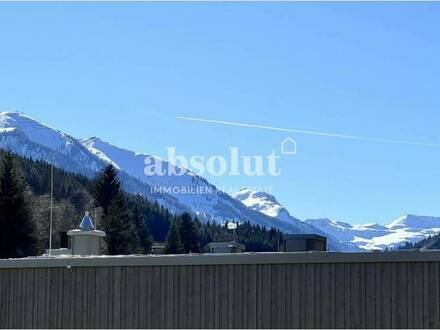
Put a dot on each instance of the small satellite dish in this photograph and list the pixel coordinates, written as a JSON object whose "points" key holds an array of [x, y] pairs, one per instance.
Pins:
{"points": [[232, 225]]}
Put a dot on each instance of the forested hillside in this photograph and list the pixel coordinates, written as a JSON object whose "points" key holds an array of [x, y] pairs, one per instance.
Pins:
{"points": [[430, 243], [141, 220]]}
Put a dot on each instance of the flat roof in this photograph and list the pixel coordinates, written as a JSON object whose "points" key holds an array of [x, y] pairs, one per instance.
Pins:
{"points": [[222, 259], [304, 236]]}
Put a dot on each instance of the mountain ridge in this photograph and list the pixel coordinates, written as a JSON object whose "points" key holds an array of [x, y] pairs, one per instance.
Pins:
{"points": [[29, 138]]}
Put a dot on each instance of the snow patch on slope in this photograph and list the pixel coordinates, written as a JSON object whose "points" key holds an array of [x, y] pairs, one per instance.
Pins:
{"points": [[407, 228]]}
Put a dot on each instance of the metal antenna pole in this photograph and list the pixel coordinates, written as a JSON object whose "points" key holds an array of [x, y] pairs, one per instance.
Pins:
{"points": [[51, 210]]}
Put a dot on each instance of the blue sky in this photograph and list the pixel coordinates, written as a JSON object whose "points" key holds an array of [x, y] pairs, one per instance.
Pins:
{"points": [[124, 71]]}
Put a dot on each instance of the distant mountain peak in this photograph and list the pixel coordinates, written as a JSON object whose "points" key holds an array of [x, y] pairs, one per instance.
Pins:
{"points": [[8, 117], [91, 139], [34, 130], [28, 137], [95, 139], [245, 192], [262, 202], [13, 113], [100, 144], [322, 222], [415, 221]]}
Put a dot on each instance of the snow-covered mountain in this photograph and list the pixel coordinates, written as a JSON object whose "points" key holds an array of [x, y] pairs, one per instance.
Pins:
{"points": [[263, 202], [407, 228], [414, 222], [183, 187], [344, 236], [189, 192], [27, 137], [267, 204], [189, 189]]}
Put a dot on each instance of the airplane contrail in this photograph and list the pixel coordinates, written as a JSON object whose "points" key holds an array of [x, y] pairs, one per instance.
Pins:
{"points": [[301, 131]]}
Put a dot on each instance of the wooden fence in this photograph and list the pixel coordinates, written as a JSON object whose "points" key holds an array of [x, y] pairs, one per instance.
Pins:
{"points": [[290, 290]]}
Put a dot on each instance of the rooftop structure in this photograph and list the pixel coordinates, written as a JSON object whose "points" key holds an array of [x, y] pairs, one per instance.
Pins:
{"points": [[226, 247], [86, 240], [304, 242]]}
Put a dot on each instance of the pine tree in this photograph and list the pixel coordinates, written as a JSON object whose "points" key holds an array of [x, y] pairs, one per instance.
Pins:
{"points": [[188, 234], [107, 187], [16, 226], [144, 239], [174, 243], [117, 220], [119, 229]]}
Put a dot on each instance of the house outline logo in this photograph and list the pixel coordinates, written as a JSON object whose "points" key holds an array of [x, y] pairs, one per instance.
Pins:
{"points": [[288, 146]]}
